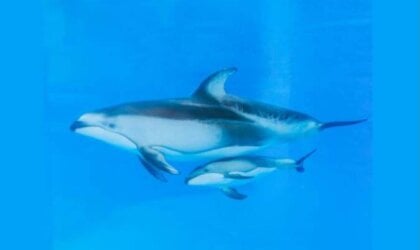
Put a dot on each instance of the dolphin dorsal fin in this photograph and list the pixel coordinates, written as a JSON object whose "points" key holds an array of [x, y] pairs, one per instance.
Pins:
{"points": [[212, 88]]}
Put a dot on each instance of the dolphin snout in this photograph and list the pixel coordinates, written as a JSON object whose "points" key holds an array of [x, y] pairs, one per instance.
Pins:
{"points": [[187, 180], [77, 125], [191, 180]]}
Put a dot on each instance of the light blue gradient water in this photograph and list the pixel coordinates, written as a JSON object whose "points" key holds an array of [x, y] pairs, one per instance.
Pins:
{"points": [[312, 56]]}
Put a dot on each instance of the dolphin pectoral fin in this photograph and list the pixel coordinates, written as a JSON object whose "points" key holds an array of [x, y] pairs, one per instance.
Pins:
{"points": [[233, 193], [212, 89], [153, 171], [152, 157], [238, 176]]}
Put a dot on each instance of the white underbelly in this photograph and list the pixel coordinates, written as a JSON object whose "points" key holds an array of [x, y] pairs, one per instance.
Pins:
{"points": [[217, 180], [110, 137], [257, 172], [179, 135]]}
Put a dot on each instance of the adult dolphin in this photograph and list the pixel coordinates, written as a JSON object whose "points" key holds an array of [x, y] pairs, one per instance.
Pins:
{"points": [[179, 128], [210, 125]]}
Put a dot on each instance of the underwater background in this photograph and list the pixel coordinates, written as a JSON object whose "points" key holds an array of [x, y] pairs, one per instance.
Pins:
{"points": [[310, 56]]}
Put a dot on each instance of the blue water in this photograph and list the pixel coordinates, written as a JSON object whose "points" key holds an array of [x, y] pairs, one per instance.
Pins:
{"points": [[311, 56]]}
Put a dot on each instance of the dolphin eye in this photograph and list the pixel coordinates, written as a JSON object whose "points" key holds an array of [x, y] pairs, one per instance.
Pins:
{"points": [[109, 125]]}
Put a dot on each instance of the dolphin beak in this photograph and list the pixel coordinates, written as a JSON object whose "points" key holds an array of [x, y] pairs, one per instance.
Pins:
{"points": [[187, 180], [78, 125]]}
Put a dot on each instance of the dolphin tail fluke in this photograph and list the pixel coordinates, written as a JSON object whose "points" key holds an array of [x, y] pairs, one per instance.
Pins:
{"points": [[299, 163], [340, 123]]}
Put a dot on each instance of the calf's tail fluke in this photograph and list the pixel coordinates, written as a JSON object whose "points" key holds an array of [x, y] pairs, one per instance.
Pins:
{"points": [[299, 162], [340, 123]]}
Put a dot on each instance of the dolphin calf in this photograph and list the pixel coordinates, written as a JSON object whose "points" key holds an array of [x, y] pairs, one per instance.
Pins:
{"points": [[229, 173], [209, 125]]}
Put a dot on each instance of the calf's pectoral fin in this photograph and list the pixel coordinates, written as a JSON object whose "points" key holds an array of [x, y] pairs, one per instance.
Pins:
{"points": [[153, 170], [233, 193], [155, 160]]}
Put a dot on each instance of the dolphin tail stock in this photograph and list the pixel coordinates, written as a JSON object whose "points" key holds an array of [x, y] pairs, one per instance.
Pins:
{"points": [[300, 161], [327, 125]]}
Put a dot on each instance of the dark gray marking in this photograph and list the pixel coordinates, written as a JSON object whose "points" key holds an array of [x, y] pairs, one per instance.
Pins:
{"points": [[175, 109], [238, 176], [264, 110], [245, 134]]}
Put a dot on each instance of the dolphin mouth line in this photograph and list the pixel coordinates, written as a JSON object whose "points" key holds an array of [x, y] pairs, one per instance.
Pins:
{"points": [[81, 125], [78, 125]]}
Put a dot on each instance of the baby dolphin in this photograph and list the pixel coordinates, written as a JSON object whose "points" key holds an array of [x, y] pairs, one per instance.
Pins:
{"points": [[229, 173]]}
